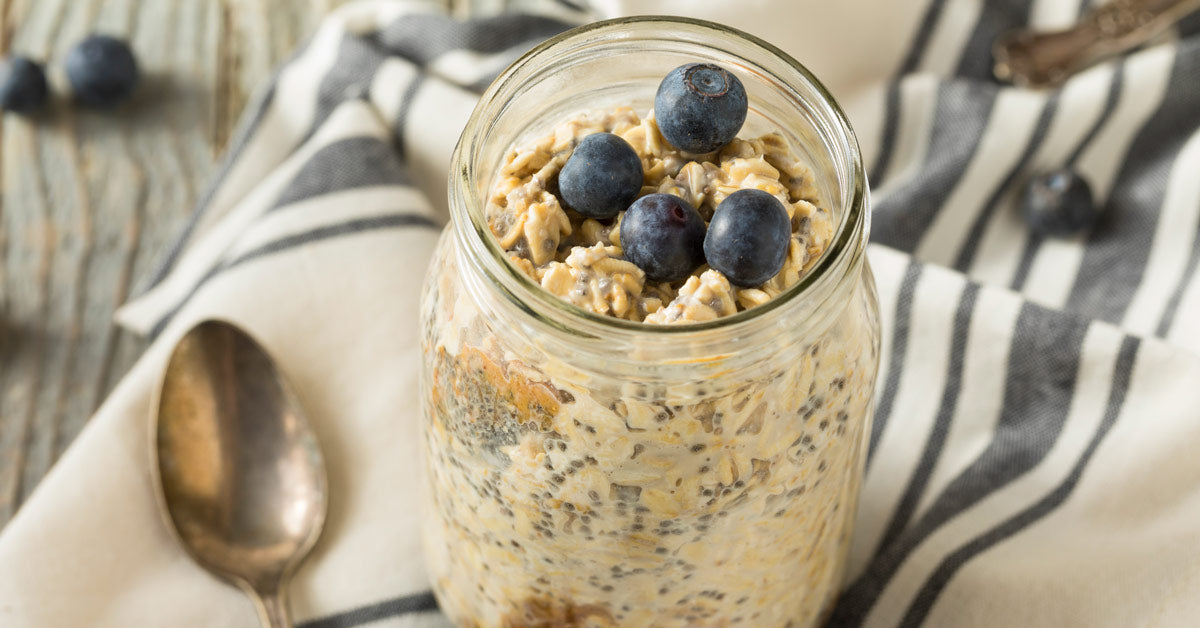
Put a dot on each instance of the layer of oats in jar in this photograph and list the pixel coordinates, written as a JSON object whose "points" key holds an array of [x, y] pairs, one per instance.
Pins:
{"points": [[558, 500], [565, 493], [580, 259]]}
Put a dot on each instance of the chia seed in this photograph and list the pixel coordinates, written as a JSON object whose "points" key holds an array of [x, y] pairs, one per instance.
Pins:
{"points": [[625, 493]]}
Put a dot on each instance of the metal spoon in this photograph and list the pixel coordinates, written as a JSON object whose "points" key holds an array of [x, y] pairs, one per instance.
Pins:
{"points": [[241, 479], [1031, 58]]}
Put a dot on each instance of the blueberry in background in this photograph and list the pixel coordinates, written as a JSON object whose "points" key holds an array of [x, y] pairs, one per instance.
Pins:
{"points": [[1059, 203], [664, 235], [23, 86], [103, 71], [700, 107], [748, 237], [602, 176]]}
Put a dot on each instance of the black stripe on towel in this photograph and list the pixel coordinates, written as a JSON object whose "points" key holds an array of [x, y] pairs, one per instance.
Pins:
{"points": [[891, 119], [970, 246], [900, 331], [960, 120], [346, 164], [1039, 385], [1118, 248], [925, 598], [941, 425], [400, 124], [361, 225], [423, 38], [1034, 243], [1172, 309], [349, 78], [395, 607]]}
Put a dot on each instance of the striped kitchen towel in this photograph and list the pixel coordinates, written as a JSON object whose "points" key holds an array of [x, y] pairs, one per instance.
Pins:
{"points": [[1033, 458]]}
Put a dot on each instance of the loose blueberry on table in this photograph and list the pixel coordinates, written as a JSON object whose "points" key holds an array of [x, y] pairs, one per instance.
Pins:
{"points": [[1059, 204], [22, 85], [103, 71]]}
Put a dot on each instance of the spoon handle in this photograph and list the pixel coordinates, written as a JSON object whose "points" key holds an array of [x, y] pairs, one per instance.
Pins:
{"points": [[272, 609], [1042, 59]]}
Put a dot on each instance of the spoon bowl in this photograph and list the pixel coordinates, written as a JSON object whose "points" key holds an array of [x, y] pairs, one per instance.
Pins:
{"points": [[240, 476]]}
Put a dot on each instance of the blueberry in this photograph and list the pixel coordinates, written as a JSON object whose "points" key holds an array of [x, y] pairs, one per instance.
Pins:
{"points": [[102, 71], [664, 236], [602, 176], [748, 237], [22, 85], [1059, 203], [700, 107]]}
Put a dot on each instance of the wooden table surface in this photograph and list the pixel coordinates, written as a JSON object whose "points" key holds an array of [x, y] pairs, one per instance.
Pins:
{"points": [[89, 200]]}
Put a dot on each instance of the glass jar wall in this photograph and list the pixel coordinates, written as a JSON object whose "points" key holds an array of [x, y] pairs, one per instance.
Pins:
{"points": [[590, 471]]}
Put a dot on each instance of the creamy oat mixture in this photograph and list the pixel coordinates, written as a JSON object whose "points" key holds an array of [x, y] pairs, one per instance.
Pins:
{"points": [[561, 501], [562, 498], [579, 259]]}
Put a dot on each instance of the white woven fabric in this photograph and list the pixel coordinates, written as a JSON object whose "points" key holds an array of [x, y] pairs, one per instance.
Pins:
{"points": [[1033, 459]]}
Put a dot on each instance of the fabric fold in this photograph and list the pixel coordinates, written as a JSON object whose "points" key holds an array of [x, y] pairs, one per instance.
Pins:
{"points": [[1036, 410]]}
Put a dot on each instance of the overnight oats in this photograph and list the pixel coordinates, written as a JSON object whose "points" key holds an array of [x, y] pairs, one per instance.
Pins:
{"points": [[650, 339]]}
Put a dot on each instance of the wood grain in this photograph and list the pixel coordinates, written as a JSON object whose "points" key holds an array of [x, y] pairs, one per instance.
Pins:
{"points": [[88, 200]]}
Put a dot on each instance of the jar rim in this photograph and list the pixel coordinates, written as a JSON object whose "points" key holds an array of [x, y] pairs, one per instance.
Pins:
{"points": [[850, 232]]}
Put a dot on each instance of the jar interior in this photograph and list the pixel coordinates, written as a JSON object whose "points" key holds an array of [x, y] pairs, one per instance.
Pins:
{"points": [[624, 64]]}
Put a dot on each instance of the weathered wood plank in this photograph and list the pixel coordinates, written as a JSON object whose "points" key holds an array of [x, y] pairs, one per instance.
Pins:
{"points": [[89, 199]]}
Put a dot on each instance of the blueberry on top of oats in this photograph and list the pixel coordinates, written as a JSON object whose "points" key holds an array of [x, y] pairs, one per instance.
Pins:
{"points": [[610, 266], [748, 237], [602, 176], [700, 107], [664, 236]]}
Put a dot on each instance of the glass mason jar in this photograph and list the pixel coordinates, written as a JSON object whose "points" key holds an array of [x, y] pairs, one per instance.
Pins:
{"points": [[589, 471]]}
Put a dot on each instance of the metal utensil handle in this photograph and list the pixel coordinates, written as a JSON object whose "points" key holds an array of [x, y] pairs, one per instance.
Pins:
{"points": [[272, 609], [1041, 59]]}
